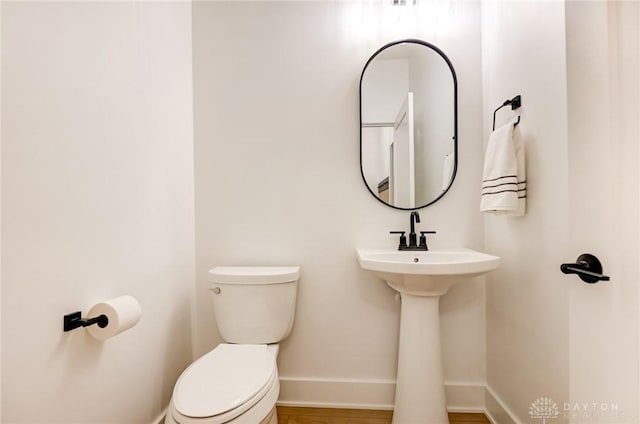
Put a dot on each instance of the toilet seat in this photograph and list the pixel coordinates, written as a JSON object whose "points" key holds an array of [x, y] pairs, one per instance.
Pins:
{"points": [[224, 383]]}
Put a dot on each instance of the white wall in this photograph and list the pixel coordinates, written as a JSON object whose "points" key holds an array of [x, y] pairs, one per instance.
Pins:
{"points": [[434, 135], [278, 182], [551, 335], [528, 297], [384, 89], [97, 186], [376, 160]]}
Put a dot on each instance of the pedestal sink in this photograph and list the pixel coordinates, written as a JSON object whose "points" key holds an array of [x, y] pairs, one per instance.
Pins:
{"points": [[422, 277]]}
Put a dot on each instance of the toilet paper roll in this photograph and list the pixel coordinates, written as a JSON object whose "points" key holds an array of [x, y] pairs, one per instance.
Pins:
{"points": [[123, 313]]}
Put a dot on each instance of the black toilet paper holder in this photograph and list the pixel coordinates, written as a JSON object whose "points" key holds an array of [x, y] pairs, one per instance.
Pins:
{"points": [[75, 320]]}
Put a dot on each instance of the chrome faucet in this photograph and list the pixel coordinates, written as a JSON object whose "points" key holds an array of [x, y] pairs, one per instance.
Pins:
{"points": [[413, 245]]}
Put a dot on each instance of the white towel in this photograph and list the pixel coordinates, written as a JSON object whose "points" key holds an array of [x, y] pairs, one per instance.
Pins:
{"points": [[504, 185], [447, 170]]}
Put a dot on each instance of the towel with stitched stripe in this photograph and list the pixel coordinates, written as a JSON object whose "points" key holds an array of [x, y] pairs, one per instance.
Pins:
{"points": [[504, 185]]}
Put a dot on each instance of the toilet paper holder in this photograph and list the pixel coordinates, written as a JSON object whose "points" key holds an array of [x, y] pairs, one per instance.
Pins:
{"points": [[75, 320]]}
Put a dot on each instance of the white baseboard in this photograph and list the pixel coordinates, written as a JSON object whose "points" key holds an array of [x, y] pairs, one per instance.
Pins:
{"points": [[337, 393], [368, 394], [496, 410], [464, 397]]}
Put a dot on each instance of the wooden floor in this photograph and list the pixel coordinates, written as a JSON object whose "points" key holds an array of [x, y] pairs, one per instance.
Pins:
{"points": [[291, 415]]}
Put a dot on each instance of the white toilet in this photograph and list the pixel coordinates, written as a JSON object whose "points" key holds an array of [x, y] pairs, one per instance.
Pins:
{"points": [[237, 382]]}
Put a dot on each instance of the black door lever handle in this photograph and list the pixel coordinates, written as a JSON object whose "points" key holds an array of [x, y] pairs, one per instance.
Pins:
{"points": [[587, 267]]}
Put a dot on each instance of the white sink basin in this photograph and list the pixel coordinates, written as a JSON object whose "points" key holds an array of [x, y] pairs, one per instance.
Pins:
{"points": [[433, 262], [426, 273]]}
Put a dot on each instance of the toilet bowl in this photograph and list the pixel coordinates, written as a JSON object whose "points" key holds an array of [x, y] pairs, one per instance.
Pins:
{"points": [[230, 384], [237, 382]]}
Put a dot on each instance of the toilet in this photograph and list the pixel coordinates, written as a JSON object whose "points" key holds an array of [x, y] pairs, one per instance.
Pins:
{"points": [[237, 382]]}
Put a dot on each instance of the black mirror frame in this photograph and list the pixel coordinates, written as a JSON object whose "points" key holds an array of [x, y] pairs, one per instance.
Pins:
{"points": [[455, 118]]}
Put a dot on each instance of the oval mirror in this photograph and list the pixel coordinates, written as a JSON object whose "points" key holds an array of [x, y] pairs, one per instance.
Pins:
{"points": [[408, 124]]}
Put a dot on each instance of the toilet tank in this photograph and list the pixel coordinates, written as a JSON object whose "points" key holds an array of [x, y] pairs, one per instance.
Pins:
{"points": [[254, 305]]}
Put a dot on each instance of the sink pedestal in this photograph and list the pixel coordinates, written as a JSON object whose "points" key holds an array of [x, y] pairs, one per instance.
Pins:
{"points": [[420, 396]]}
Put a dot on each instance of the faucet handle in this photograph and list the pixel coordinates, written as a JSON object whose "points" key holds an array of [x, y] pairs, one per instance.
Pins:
{"points": [[403, 239], [423, 239]]}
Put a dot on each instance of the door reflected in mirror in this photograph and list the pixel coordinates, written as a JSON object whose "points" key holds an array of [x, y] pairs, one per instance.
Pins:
{"points": [[408, 124]]}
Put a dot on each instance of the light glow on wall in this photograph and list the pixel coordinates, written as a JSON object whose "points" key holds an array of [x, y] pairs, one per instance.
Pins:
{"points": [[372, 19]]}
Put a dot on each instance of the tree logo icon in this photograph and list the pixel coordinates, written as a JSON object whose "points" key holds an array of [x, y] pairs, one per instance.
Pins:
{"points": [[544, 408]]}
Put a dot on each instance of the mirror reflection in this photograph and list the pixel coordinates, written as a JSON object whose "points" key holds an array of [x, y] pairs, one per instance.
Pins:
{"points": [[408, 124]]}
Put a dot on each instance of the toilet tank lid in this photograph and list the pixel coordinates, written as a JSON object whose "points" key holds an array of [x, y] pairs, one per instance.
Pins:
{"points": [[254, 274]]}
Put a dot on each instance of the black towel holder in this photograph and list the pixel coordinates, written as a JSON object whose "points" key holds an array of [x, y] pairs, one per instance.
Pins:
{"points": [[515, 103]]}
